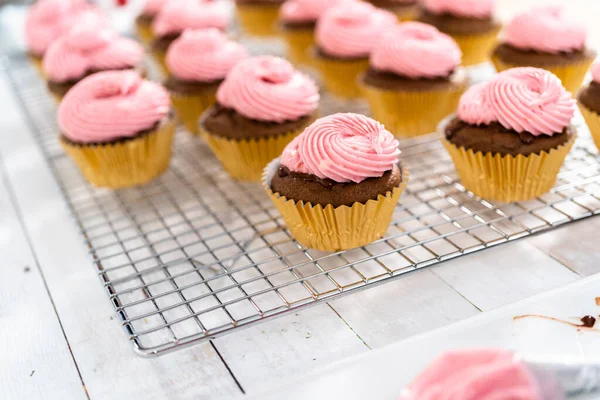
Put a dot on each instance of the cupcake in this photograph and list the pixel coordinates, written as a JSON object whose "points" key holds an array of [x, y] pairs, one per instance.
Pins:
{"points": [[198, 61], [84, 51], [413, 80], [262, 104], [297, 21], [143, 23], [117, 128], [512, 134], [179, 15], [545, 38], [345, 36], [258, 17], [589, 104], [336, 185], [49, 19], [405, 10], [470, 23]]}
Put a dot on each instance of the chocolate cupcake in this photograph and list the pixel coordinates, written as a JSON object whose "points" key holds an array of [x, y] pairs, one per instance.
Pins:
{"points": [[258, 17], [414, 79], [262, 104], [84, 51], [405, 10], [470, 23], [143, 22], [198, 61], [589, 104], [545, 38], [512, 134], [336, 185], [345, 35]]}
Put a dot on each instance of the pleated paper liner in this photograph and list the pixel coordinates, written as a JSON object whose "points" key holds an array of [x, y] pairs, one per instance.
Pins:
{"points": [[36, 61], [407, 13], [414, 113], [335, 228], [508, 178], [571, 75], [476, 48], [340, 76], [299, 42], [258, 19], [592, 119], [189, 107], [127, 163], [144, 32], [161, 60]]}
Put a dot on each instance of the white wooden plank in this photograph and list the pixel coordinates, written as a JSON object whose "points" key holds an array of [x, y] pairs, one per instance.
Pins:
{"points": [[504, 274], [36, 362]]}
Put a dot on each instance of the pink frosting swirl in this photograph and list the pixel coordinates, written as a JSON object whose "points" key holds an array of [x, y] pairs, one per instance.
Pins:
{"points": [[86, 49], [179, 15], [111, 105], [152, 7], [545, 29], [352, 29], [268, 88], [49, 19], [416, 50], [305, 10], [461, 8], [596, 72], [343, 147], [203, 55], [474, 106]]}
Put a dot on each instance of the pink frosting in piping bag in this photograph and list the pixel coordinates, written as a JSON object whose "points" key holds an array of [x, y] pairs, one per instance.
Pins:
{"points": [[203, 55], [461, 8], [305, 10], [482, 374], [111, 105], [352, 29], [152, 7], [86, 49], [545, 29], [416, 50], [596, 72], [268, 88], [178, 15], [343, 147]]}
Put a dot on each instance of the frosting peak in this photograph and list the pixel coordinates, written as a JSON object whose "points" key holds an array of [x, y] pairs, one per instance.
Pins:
{"points": [[305, 10], [111, 105], [178, 15], [352, 29], [268, 88], [461, 8], [416, 50], [343, 147], [474, 106], [596, 72], [203, 55], [545, 29]]}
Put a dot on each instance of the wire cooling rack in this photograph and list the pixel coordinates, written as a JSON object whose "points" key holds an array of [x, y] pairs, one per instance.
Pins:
{"points": [[194, 254]]}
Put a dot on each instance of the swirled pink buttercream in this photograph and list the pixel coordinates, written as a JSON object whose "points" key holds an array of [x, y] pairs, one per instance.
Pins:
{"points": [[111, 105], [268, 88], [474, 106], [152, 7], [343, 147], [461, 8], [203, 55], [305, 10], [596, 72], [49, 19], [85, 49], [179, 15], [416, 50], [545, 29], [352, 29]]}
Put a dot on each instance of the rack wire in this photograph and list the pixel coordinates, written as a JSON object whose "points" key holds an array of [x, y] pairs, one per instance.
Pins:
{"points": [[194, 254]]}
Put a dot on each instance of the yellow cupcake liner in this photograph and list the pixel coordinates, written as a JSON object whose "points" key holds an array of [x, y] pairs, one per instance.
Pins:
{"points": [[36, 61], [508, 178], [160, 57], [476, 48], [571, 75], [408, 114], [335, 228], [299, 42], [127, 163], [405, 14], [592, 119], [144, 32], [340, 76], [189, 107], [258, 19]]}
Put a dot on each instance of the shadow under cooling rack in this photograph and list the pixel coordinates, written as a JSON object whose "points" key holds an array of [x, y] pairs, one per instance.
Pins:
{"points": [[194, 254]]}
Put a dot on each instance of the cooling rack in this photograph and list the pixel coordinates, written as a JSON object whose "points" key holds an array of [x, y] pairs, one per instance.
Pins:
{"points": [[194, 254]]}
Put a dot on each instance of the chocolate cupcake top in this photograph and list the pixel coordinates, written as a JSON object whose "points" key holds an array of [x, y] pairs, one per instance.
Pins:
{"points": [[111, 105], [86, 49], [178, 15], [589, 96], [416, 50], [481, 9], [305, 11], [268, 88], [203, 55], [547, 30], [352, 29]]}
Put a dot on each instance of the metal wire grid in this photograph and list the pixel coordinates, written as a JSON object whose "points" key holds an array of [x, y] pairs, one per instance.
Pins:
{"points": [[194, 255]]}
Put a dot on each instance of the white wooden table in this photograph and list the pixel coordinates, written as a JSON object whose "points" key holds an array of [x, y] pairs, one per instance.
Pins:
{"points": [[59, 338]]}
